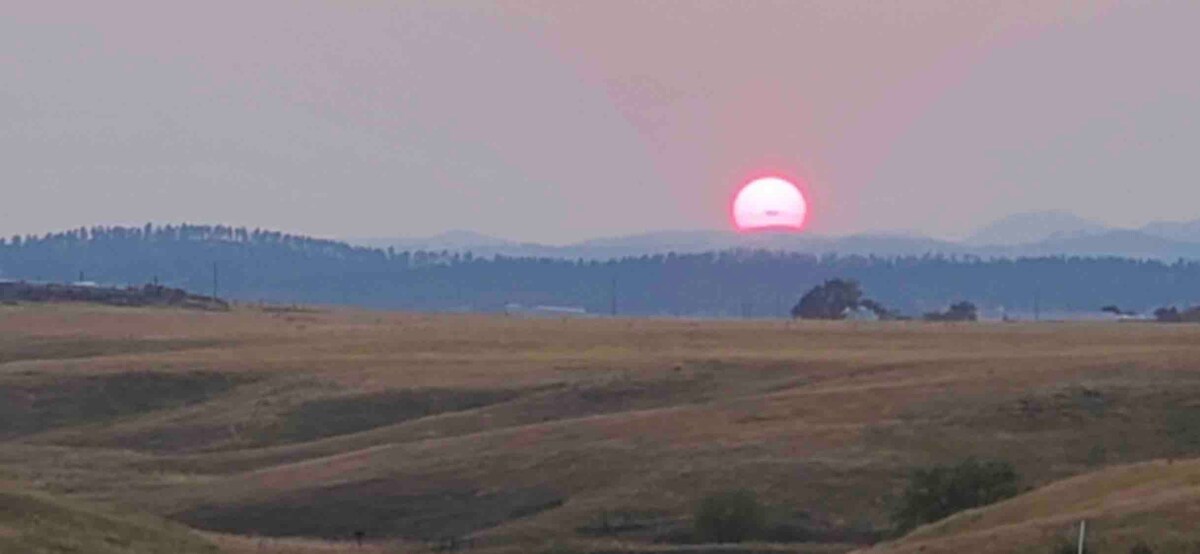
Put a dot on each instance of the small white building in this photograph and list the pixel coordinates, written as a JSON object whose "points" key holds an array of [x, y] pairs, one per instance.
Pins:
{"points": [[545, 311], [859, 314]]}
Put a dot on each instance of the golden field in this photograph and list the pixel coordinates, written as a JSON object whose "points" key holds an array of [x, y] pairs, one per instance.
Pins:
{"points": [[290, 430]]}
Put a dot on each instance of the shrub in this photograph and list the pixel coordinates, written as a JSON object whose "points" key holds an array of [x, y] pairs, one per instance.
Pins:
{"points": [[1141, 548], [558, 548], [1069, 546], [729, 517], [1064, 546], [935, 493], [1183, 427]]}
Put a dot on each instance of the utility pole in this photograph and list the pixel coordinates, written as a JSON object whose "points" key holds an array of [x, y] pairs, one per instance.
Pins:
{"points": [[1037, 305], [1082, 535], [613, 296], [215, 281]]}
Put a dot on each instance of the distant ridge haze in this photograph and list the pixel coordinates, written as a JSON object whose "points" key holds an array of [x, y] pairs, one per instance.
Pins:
{"points": [[1030, 227], [1023, 234]]}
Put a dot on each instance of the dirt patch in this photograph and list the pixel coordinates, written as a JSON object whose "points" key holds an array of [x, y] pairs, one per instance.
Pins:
{"points": [[361, 412], [32, 408], [378, 508]]}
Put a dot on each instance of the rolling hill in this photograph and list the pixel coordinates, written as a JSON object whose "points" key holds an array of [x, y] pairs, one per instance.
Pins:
{"points": [[1153, 503], [38, 523], [307, 426]]}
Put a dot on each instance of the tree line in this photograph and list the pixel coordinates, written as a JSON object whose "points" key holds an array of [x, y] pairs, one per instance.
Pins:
{"points": [[254, 264]]}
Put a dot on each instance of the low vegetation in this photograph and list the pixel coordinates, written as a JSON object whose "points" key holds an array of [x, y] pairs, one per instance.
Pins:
{"points": [[935, 493], [730, 517], [379, 508], [27, 408], [13, 292], [353, 413]]}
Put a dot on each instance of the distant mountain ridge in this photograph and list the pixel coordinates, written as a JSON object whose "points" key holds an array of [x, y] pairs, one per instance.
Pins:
{"points": [[1031, 227], [1058, 226], [1029, 234], [1187, 231]]}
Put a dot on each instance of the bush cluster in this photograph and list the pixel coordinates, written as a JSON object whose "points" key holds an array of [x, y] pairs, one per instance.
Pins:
{"points": [[730, 517], [937, 492]]}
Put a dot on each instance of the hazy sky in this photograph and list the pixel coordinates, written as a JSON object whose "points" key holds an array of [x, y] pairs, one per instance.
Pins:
{"points": [[560, 120]]}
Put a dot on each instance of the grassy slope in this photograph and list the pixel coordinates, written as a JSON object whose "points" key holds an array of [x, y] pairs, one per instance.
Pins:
{"points": [[1154, 502], [524, 430], [34, 523]]}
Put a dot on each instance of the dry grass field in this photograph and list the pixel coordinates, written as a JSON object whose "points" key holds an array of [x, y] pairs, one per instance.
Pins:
{"points": [[288, 431]]}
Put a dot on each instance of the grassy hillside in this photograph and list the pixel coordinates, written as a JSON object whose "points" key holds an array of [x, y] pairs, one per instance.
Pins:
{"points": [[601, 435], [1153, 503], [35, 523]]}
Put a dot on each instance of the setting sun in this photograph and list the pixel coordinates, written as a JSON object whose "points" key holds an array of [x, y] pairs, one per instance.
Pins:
{"points": [[769, 203]]}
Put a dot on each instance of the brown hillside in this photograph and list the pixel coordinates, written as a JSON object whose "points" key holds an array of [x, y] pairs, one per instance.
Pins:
{"points": [[37, 523], [508, 432], [1156, 503]]}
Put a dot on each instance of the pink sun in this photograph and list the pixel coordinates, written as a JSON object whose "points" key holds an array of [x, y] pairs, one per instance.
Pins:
{"points": [[769, 203]]}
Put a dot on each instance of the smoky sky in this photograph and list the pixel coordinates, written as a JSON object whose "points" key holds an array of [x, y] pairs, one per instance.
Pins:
{"points": [[559, 120]]}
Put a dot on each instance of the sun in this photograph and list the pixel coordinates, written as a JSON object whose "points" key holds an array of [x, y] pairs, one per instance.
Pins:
{"points": [[769, 203]]}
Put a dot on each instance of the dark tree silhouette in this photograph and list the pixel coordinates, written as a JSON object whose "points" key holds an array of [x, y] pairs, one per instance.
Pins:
{"points": [[1168, 315], [264, 265], [960, 311], [829, 300], [1171, 314]]}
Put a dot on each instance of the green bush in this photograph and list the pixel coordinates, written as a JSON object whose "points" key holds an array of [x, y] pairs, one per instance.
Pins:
{"points": [[730, 517], [937, 492]]}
